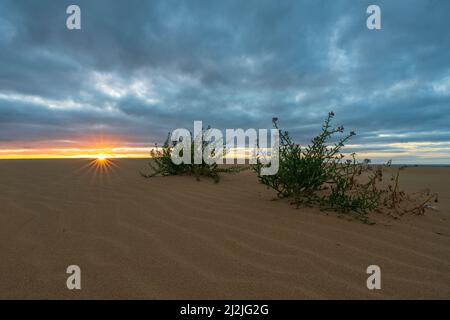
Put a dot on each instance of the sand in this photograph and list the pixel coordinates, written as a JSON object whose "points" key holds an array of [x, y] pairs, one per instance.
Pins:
{"points": [[176, 238]]}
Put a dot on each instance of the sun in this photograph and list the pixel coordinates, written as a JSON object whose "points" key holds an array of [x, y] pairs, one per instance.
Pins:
{"points": [[102, 165], [101, 159]]}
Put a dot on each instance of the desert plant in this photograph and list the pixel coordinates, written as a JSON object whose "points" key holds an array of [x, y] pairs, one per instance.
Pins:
{"points": [[162, 164], [304, 171], [348, 194], [319, 175], [398, 202]]}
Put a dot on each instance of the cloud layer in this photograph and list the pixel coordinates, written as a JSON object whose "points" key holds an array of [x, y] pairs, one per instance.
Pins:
{"points": [[139, 69]]}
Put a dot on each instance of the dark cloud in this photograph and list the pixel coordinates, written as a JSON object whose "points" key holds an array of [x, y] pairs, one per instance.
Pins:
{"points": [[138, 69]]}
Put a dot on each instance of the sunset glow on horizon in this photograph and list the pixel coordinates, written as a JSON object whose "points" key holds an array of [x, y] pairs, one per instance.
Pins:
{"points": [[400, 153], [74, 152]]}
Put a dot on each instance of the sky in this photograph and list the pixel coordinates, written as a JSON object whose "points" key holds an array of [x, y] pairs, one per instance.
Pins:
{"points": [[139, 69]]}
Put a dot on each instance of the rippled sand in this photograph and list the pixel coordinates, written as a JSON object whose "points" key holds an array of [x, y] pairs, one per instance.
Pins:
{"points": [[174, 237]]}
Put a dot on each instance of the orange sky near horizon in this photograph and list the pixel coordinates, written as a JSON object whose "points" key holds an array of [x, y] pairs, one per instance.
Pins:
{"points": [[142, 152], [113, 147], [66, 148], [110, 147], [70, 153]]}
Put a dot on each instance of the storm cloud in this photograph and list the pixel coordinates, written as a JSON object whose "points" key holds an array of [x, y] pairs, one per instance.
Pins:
{"points": [[138, 69]]}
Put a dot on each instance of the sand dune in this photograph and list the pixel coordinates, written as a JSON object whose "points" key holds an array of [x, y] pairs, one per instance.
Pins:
{"points": [[176, 238]]}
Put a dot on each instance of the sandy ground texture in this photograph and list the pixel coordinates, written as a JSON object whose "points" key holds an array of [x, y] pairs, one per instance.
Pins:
{"points": [[176, 238]]}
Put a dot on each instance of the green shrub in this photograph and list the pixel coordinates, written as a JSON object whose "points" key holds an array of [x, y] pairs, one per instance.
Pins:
{"points": [[319, 175], [304, 171], [162, 164]]}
